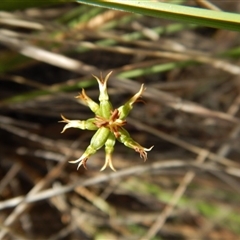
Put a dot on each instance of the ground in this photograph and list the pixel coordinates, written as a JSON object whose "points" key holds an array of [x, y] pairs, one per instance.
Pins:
{"points": [[189, 186]]}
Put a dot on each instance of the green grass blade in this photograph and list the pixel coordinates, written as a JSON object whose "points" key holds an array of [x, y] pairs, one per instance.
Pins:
{"points": [[216, 19]]}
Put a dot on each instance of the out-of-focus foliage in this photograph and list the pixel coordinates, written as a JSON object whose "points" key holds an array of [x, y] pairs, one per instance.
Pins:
{"points": [[11, 5]]}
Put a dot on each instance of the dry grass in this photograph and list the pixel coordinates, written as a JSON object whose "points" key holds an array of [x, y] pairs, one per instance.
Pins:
{"points": [[188, 188]]}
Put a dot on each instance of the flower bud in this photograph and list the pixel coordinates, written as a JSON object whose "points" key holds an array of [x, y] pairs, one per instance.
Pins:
{"points": [[125, 109], [84, 125], [90, 103], [126, 139], [105, 104], [97, 141], [109, 148], [99, 138], [108, 123]]}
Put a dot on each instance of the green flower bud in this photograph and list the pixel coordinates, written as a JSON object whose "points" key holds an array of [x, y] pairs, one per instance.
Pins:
{"points": [[108, 123], [99, 138], [109, 148], [105, 104], [89, 102], [125, 109], [102, 83], [97, 141], [126, 139], [84, 125]]}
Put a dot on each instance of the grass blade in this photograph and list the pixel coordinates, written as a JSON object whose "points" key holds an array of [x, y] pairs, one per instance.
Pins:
{"points": [[216, 19]]}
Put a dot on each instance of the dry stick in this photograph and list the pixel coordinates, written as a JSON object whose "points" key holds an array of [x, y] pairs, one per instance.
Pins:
{"points": [[96, 201], [188, 146], [136, 170], [67, 63], [65, 150], [43, 55], [76, 66], [64, 232], [177, 56], [99, 20], [224, 149], [14, 234], [44, 141], [9, 176], [23, 205], [21, 123], [170, 163], [192, 148], [162, 217], [170, 100], [20, 23], [208, 5]]}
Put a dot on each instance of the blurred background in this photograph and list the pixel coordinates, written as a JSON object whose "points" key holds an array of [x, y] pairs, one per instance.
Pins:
{"points": [[189, 186]]}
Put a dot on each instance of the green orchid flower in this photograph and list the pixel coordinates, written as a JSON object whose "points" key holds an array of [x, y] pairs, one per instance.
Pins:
{"points": [[108, 123]]}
